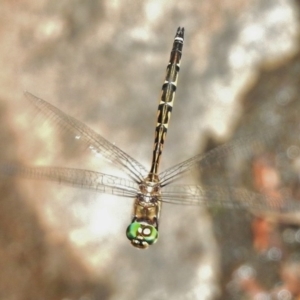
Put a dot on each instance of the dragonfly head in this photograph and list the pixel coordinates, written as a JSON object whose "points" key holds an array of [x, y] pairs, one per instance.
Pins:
{"points": [[142, 234]]}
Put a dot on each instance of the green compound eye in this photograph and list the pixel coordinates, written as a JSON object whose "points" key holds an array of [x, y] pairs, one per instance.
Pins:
{"points": [[141, 234], [132, 230]]}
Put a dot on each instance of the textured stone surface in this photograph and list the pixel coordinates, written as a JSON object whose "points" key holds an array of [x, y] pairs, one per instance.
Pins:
{"points": [[103, 62]]}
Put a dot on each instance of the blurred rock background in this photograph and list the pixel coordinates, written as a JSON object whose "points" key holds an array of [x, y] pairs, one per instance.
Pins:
{"points": [[103, 62]]}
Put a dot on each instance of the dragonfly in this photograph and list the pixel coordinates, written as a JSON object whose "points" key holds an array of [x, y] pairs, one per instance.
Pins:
{"points": [[149, 189]]}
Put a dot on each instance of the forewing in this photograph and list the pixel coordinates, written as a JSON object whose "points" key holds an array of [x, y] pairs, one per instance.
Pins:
{"points": [[100, 182], [226, 197]]}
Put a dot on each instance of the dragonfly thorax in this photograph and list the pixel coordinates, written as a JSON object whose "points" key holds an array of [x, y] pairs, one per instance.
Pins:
{"points": [[149, 191]]}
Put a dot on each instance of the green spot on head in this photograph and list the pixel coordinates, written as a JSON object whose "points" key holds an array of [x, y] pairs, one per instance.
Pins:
{"points": [[141, 234]]}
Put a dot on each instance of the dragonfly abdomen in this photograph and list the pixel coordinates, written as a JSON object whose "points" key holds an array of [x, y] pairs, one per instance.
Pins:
{"points": [[166, 100]]}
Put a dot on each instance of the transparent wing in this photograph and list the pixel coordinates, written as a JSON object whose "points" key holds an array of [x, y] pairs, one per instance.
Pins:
{"points": [[226, 197], [247, 145], [100, 182], [93, 140]]}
